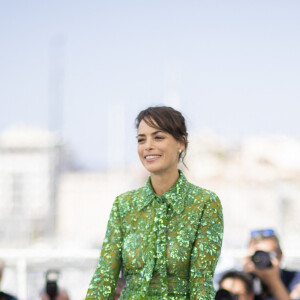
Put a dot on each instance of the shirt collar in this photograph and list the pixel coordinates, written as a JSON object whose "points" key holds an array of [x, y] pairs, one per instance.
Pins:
{"points": [[174, 196]]}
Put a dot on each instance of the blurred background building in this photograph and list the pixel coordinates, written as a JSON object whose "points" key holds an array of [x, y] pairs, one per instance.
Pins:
{"points": [[30, 165], [55, 217]]}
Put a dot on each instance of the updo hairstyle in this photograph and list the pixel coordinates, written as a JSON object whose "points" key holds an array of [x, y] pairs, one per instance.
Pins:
{"points": [[167, 119]]}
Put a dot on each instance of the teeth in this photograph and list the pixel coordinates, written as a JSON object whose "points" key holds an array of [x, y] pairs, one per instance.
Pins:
{"points": [[152, 156]]}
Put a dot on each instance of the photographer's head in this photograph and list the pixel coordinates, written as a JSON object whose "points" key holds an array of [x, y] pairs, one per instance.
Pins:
{"points": [[239, 284], [263, 260], [265, 240]]}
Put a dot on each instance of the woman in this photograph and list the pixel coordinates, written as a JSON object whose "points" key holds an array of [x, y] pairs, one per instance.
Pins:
{"points": [[168, 233]]}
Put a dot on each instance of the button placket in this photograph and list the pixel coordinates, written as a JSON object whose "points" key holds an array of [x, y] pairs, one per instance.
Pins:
{"points": [[161, 222]]}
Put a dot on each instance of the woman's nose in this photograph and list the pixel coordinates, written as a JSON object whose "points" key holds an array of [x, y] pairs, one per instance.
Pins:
{"points": [[149, 144]]}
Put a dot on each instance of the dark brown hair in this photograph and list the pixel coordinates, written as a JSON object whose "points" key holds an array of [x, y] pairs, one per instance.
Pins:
{"points": [[261, 237], [244, 277], [166, 119]]}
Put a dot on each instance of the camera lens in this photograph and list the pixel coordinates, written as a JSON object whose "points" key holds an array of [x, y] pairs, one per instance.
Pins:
{"points": [[51, 289], [225, 295], [261, 259]]}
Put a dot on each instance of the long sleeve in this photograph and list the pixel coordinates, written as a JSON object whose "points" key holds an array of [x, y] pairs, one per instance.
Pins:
{"points": [[104, 280], [206, 250]]}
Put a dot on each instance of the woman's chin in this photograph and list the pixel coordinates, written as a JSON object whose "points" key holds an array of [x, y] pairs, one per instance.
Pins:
{"points": [[152, 169]]}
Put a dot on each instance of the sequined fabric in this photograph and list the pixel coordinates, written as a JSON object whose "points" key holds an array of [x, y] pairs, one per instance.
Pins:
{"points": [[169, 244]]}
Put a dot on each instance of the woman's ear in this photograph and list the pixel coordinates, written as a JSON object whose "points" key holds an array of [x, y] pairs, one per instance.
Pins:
{"points": [[183, 143], [181, 147]]}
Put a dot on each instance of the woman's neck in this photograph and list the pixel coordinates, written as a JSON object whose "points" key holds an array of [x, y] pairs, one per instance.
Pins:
{"points": [[163, 182]]}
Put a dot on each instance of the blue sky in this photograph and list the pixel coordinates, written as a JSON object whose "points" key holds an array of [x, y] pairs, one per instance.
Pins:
{"points": [[232, 66]]}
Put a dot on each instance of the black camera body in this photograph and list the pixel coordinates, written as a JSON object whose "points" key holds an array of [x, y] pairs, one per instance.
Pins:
{"points": [[261, 259], [51, 284], [225, 295]]}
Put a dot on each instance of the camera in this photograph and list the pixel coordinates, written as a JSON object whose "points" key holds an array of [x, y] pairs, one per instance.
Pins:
{"points": [[51, 284], [225, 295], [261, 259]]}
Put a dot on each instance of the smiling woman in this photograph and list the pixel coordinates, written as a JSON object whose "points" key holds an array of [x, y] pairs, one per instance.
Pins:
{"points": [[162, 139], [167, 235]]}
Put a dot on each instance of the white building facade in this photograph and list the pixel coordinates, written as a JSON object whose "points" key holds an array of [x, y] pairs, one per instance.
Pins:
{"points": [[29, 172]]}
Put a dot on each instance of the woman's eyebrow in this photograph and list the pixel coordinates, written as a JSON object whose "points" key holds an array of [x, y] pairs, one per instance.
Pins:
{"points": [[156, 132], [153, 133]]}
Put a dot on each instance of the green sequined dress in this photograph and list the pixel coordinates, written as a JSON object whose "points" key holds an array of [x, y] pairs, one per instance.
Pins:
{"points": [[169, 245]]}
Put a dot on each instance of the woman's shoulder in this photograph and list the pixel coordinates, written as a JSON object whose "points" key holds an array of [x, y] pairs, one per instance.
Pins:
{"points": [[127, 200], [200, 194], [201, 199]]}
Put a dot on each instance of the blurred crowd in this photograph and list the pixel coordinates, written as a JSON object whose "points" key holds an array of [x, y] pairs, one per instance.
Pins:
{"points": [[260, 277], [50, 291]]}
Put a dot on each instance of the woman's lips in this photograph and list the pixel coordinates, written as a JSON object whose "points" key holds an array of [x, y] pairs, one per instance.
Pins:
{"points": [[153, 157]]}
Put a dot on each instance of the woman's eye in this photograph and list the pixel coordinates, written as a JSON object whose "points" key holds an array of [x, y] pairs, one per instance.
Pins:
{"points": [[140, 140], [159, 137]]}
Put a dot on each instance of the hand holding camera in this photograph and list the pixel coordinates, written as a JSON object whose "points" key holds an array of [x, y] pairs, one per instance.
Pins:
{"points": [[264, 265]]}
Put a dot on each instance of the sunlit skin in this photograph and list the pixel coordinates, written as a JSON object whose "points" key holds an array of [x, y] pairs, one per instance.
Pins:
{"points": [[236, 286], [295, 294], [159, 153]]}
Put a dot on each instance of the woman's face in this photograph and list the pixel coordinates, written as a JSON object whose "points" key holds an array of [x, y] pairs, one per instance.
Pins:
{"points": [[158, 150]]}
